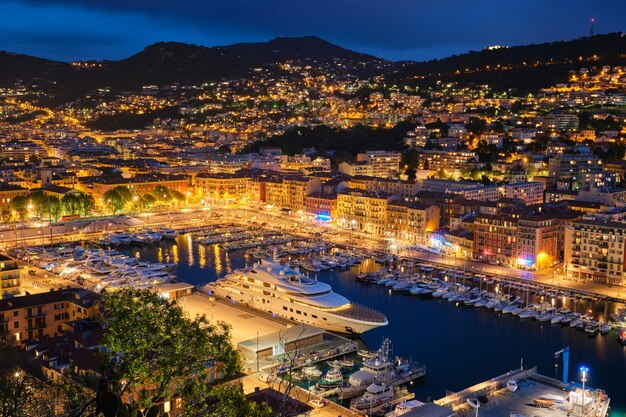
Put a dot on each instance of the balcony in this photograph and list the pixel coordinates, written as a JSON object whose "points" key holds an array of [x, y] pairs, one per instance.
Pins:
{"points": [[35, 314], [40, 324]]}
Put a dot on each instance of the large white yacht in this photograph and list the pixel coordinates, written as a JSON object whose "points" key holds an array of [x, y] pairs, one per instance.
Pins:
{"points": [[287, 292]]}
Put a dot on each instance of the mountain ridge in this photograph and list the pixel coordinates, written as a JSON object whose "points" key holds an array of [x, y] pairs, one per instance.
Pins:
{"points": [[165, 63]]}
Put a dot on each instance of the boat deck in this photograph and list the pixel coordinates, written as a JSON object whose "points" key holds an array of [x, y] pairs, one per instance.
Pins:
{"points": [[360, 312]]}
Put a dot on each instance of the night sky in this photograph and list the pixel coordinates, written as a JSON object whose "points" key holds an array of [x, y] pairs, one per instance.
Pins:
{"points": [[392, 29]]}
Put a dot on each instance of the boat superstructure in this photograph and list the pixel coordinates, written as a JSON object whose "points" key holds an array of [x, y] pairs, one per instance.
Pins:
{"points": [[287, 292]]}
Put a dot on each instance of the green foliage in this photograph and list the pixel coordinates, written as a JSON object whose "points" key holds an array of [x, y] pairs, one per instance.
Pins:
{"points": [[117, 198], [151, 348], [71, 204], [20, 206], [6, 215], [224, 149], [230, 402], [476, 126], [347, 142], [55, 208]]}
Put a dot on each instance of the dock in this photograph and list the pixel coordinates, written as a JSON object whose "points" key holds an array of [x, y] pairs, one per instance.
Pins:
{"points": [[535, 395]]}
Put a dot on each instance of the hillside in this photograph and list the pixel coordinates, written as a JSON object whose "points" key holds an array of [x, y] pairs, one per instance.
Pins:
{"points": [[523, 68], [171, 62]]}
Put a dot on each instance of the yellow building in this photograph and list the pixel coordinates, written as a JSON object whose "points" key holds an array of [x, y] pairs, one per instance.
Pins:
{"points": [[10, 279], [220, 188], [9, 191], [363, 211], [36, 316], [412, 221]]}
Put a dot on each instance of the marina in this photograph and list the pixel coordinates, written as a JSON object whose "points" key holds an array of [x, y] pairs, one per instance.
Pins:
{"points": [[420, 293]]}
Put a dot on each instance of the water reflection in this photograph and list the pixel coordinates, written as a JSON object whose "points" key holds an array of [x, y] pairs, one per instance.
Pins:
{"points": [[202, 256], [189, 249]]}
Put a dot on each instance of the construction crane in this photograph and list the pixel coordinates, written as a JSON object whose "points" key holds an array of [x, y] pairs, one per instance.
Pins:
{"points": [[564, 353]]}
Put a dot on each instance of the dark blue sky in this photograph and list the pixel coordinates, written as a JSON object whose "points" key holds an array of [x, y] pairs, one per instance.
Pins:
{"points": [[393, 29]]}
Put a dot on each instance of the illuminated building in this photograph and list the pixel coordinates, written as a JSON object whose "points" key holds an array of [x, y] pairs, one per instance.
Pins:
{"points": [[10, 278], [411, 221], [595, 250], [220, 188], [9, 191], [363, 211], [36, 316]]}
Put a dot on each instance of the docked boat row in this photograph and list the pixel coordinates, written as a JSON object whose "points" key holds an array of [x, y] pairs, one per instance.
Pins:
{"points": [[99, 269], [139, 237], [505, 298]]}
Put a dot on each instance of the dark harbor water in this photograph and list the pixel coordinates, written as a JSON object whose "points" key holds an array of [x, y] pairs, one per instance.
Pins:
{"points": [[460, 346]]}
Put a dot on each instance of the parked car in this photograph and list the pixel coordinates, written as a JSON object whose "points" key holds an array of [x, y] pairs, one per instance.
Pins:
{"points": [[318, 403]]}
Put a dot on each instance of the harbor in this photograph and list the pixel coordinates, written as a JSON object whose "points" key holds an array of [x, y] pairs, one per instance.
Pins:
{"points": [[415, 317]]}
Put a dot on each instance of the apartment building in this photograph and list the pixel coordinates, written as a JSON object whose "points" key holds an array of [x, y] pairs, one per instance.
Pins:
{"points": [[449, 161], [220, 188], [411, 221], [383, 164], [557, 121], [322, 205], [363, 211], [529, 192], [529, 240], [10, 277], [566, 171], [595, 250], [404, 189], [36, 316], [9, 191], [495, 239]]}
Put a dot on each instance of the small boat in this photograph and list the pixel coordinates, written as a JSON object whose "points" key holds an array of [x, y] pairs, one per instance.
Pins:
{"points": [[592, 329], [621, 335], [365, 353], [548, 401], [404, 407], [344, 363], [331, 379], [168, 233], [605, 328], [375, 394], [511, 385], [312, 371]]}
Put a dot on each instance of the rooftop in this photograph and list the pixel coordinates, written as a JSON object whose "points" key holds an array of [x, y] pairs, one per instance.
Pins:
{"points": [[78, 296]]}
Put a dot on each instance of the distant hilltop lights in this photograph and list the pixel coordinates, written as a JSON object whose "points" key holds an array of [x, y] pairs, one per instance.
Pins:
{"points": [[494, 47]]}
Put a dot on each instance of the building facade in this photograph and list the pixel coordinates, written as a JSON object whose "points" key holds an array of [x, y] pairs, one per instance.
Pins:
{"points": [[595, 250]]}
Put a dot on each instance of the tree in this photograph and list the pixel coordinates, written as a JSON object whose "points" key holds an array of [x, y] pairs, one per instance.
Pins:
{"points": [[476, 126], [147, 200], [230, 402], [71, 204], [117, 198], [40, 203], [55, 208], [223, 149], [6, 216], [87, 203], [153, 349], [17, 396], [20, 206], [177, 197]]}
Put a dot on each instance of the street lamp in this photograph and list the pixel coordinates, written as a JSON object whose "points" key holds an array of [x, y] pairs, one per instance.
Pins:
{"points": [[584, 370]]}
